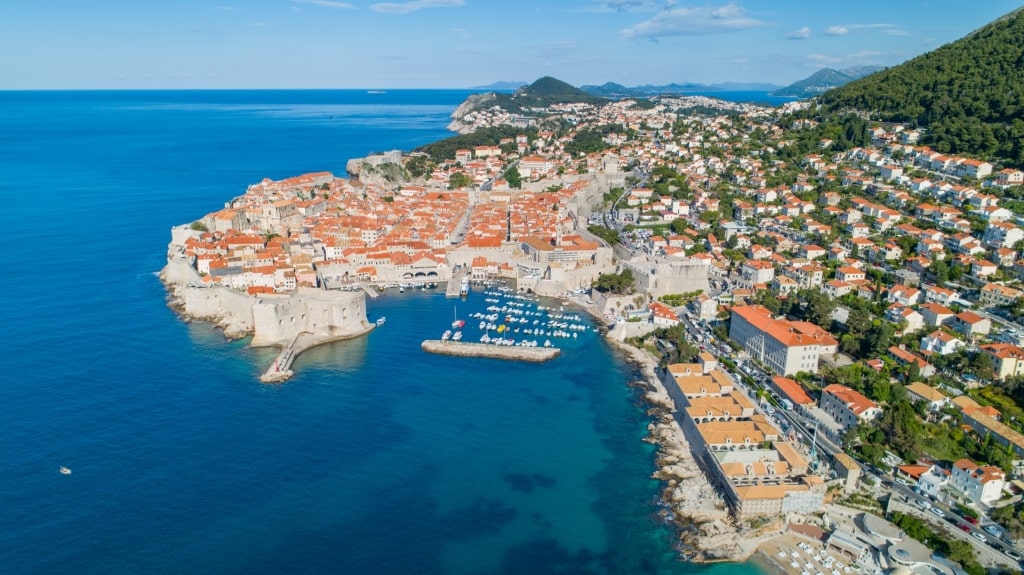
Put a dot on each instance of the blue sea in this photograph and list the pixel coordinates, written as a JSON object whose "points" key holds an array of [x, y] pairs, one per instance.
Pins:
{"points": [[376, 458]]}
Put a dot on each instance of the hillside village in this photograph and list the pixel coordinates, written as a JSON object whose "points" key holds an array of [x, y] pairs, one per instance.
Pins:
{"points": [[854, 325]]}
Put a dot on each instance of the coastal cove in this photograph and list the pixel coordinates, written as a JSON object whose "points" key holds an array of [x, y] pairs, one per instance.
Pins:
{"points": [[376, 457]]}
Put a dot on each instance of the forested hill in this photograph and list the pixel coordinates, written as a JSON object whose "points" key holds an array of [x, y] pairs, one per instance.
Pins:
{"points": [[969, 94], [543, 93]]}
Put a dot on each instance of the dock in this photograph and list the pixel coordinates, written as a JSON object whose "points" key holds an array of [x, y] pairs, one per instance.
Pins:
{"points": [[517, 353], [454, 285], [281, 369]]}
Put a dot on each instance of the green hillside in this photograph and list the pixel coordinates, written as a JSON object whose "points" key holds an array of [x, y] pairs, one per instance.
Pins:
{"points": [[543, 93], [969, 94]]}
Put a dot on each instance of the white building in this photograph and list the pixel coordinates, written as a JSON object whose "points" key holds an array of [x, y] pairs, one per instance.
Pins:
{"points": [[786, 347], [980, 484]]}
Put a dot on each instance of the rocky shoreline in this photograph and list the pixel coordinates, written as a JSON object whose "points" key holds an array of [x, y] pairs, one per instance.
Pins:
{"points": [[707, 532], [291, 322], [231, 325], [472, 103]]}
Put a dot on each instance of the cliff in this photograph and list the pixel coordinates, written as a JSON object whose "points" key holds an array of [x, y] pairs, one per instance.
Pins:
{"points": [[317, 315], [472, 103], [271, 320]]}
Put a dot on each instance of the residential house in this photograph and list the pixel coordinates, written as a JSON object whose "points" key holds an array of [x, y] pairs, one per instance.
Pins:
{"points": [[935, 399], [980, 484], [939, 295], [997, 294], [662, 315], [940, 342], [971, 325], [900, 314], [784, 285], [1007, 359], [849, 274], [904, 295], [836, 288], [935, 314], [847, 406], [756, 272]]}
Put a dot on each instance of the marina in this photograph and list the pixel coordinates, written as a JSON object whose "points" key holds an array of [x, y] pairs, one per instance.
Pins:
{"points": [[517, 319]]}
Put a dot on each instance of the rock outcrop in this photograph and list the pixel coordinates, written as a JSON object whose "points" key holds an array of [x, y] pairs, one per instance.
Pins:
{"points": [[472, 103]]}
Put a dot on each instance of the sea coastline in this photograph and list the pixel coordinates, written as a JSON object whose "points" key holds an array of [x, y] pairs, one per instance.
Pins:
{"points": [[691, 504], [364, 462]]}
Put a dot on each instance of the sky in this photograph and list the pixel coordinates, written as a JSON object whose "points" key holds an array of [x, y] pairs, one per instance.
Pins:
{"points": [[143, 44]]}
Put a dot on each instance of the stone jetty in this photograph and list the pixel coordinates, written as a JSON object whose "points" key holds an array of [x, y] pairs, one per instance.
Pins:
{"points": [[535, 354]]}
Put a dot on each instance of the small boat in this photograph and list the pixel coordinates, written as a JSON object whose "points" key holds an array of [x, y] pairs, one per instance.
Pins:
{"points": [[457, 336], [381, 320], [65, 471], [464, 286], [447, 333]]}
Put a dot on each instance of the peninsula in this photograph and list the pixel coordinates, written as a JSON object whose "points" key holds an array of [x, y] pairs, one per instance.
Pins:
{"points": [[825, 308]]}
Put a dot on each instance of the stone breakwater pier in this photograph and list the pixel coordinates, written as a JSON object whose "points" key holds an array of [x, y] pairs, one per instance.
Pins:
{"points": [[535, 354]]}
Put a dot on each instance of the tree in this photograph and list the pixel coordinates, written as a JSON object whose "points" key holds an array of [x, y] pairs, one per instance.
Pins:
{"points": [[858, 321], [878, 339], [458, 180], [982, 365], [513, 177], [819, 308], [621, 283], [941, 271], [199, 226], [902, 428]]}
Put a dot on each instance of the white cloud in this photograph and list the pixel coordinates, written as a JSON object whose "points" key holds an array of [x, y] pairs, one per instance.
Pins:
{"points": [[327, 4], [801, 34], [414, 5], [844, 29], [692, 22], [462, 32], [622, 5]]}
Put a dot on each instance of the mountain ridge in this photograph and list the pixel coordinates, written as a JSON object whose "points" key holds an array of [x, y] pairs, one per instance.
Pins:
{"points": [[824, 80], [614, 90]]}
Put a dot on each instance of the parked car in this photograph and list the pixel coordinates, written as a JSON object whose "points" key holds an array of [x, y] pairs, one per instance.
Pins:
{"points": [[979, 537], [993, 530], [1012, 554], [965, 528], [937, 511]]}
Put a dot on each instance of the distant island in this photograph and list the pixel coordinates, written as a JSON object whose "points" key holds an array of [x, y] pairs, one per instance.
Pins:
{"points": [[618, 91], [500, 86]]}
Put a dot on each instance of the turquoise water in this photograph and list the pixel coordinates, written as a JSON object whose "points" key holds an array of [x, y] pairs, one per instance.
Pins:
{"points": [[375, 458]]}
